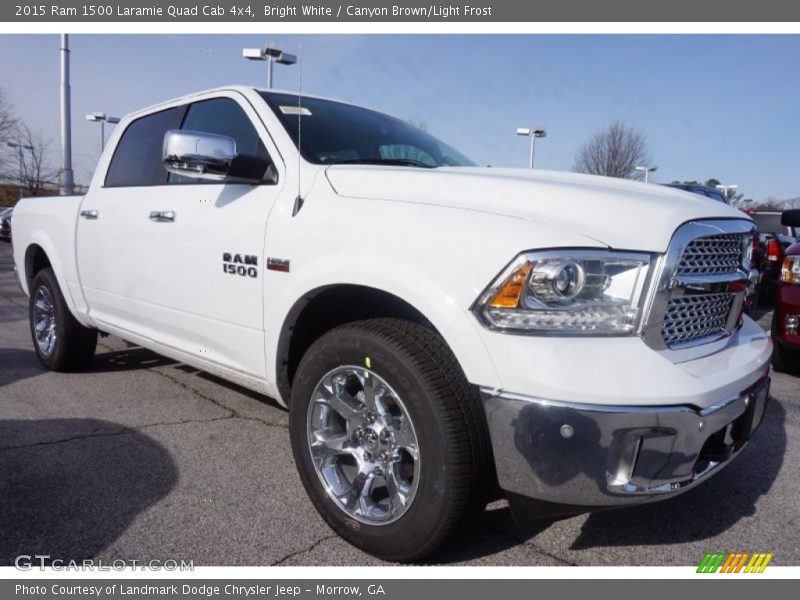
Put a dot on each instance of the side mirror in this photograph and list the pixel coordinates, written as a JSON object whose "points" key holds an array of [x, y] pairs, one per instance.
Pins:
{"points": [[210, 156], [198, 155], [791, 217]]}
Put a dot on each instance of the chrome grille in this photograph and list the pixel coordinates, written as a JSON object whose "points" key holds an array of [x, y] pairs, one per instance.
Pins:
{"points": [[701, 286], [693, 318], [712, 255]]}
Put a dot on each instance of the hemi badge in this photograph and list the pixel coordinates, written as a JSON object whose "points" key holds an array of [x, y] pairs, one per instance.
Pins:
{"points": [[278, 264]]}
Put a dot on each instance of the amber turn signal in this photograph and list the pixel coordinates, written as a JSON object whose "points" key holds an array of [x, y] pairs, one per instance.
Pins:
{"points": [[510, 292]]}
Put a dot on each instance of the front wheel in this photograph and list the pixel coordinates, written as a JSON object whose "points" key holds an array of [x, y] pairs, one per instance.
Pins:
{"points": [[388, 437], [60, 341]]}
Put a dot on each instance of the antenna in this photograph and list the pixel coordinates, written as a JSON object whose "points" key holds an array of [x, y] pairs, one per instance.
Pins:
{"points": [[298, 201]]}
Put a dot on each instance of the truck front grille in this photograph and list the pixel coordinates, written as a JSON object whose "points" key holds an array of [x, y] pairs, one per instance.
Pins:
{"points": [[712, 254], [690, 319], [701, 286]]}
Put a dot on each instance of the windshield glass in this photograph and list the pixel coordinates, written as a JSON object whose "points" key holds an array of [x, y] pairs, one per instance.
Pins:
{"points": [[719, 197], [335, 133]]}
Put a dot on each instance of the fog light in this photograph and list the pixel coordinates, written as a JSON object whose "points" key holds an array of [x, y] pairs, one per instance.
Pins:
{"points": [[791, 324]]}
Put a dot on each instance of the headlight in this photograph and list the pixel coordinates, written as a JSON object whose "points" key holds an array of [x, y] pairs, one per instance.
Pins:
{"points": [[790, 271], [584, 292]]}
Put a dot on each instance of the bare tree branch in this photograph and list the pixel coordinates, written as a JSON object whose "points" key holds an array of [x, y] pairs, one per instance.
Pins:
{"points": [[614, 152], [8, 126], [36, 170]]}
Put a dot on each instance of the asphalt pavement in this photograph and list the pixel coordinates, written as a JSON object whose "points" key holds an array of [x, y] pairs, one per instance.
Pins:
{"points": [[141, 458]]}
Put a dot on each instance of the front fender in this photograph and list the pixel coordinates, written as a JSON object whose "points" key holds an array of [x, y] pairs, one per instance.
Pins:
{"points": [[436, 259]]}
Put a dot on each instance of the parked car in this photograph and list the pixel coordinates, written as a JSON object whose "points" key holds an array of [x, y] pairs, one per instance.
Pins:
{"points": [[773, 240], [785, 328], [5, 224], [703, 190], [437, 330]]}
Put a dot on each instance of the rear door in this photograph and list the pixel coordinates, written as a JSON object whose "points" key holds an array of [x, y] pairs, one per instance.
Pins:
{"points": [[180, 260]]}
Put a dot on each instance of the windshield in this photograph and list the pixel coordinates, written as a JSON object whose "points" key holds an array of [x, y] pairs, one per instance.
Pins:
{"points": [[703, 191], [334, 133], [718, 196]]}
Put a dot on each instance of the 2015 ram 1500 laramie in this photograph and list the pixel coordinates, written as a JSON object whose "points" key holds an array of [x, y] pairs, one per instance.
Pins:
{"points": [[437, 330]]}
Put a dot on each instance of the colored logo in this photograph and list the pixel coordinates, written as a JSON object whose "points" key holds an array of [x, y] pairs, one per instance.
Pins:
{"points": [[739, 562]]}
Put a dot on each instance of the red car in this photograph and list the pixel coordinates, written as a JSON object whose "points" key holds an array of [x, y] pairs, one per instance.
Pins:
{"points": [[786, 316]]}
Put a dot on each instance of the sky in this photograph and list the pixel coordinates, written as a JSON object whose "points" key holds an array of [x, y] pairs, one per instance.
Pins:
{"points": [[722, 106]]}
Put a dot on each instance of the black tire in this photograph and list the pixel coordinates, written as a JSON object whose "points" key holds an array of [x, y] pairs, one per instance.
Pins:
{"points": [[784, 360], [456, 468], [74, 344]]}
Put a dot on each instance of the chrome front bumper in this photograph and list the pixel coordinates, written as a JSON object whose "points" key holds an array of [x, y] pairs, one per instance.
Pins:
{"points": [[594, 455]]}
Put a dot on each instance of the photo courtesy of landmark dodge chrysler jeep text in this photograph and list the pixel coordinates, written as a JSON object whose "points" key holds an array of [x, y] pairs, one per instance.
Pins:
{"points": [[438, 331]]}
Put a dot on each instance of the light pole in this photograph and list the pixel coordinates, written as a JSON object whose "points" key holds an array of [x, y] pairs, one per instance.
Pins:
{"points": [[272, 55], [20, 148], [102, 118], [66, 179], [533, 133], [647, 170]]}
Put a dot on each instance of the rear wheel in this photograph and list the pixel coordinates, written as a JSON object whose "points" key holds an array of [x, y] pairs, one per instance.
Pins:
{"points": [[60, 341], [389, 438]]}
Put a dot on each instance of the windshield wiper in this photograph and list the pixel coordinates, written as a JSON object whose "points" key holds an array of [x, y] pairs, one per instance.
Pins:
{"points": [[402, 162]]}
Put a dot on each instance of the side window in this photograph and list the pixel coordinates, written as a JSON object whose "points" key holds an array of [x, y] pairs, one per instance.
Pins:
{"points": [[137, 157], [223, 116]]}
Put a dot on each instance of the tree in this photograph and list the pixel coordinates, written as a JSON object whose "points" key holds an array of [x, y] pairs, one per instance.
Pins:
{"points": [[8, 125], [791, 203], [770, 203], [36, 170], [614, 151]]}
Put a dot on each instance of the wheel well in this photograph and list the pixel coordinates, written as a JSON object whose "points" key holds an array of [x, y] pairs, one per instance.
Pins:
{"points": [[320, 311], [35, 260]]}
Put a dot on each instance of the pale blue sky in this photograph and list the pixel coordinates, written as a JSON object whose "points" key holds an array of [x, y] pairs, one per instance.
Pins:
{"points": [[725, 106]]}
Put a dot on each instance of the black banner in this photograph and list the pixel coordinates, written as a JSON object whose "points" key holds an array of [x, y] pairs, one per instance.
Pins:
{"points": [[731, 588], [402, 11]]}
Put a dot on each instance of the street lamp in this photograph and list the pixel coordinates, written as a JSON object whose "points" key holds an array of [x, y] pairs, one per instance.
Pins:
{"points": [[20, 148], [533, 133], [647, 170], [102, 118], [272, 55]]}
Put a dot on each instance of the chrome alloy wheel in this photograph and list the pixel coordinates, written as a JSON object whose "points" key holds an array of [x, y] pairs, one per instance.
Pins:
{"points": [[44, 320], [363, 445]]}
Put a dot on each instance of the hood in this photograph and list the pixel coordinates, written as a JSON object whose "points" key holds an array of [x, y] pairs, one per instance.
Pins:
{"points": [[621, 214]]}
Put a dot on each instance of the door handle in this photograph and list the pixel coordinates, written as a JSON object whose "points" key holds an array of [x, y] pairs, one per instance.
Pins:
{"points": [[90, 214], [162, 216]]}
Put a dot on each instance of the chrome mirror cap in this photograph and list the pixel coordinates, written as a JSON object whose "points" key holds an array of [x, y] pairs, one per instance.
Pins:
{"points": [[198, 154]]}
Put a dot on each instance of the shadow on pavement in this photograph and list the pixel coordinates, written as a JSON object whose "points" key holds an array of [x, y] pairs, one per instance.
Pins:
{"points": [[135, 357], [71, 499], [494, 532], [130, 359], [706, 511], [17, 364]]}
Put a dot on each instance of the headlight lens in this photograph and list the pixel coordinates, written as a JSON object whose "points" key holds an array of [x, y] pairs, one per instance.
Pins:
{"points": [[790, 271], [568, 292]]}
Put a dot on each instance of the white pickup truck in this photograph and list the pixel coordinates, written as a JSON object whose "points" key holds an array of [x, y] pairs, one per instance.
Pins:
{"points": [[439, 331]]}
